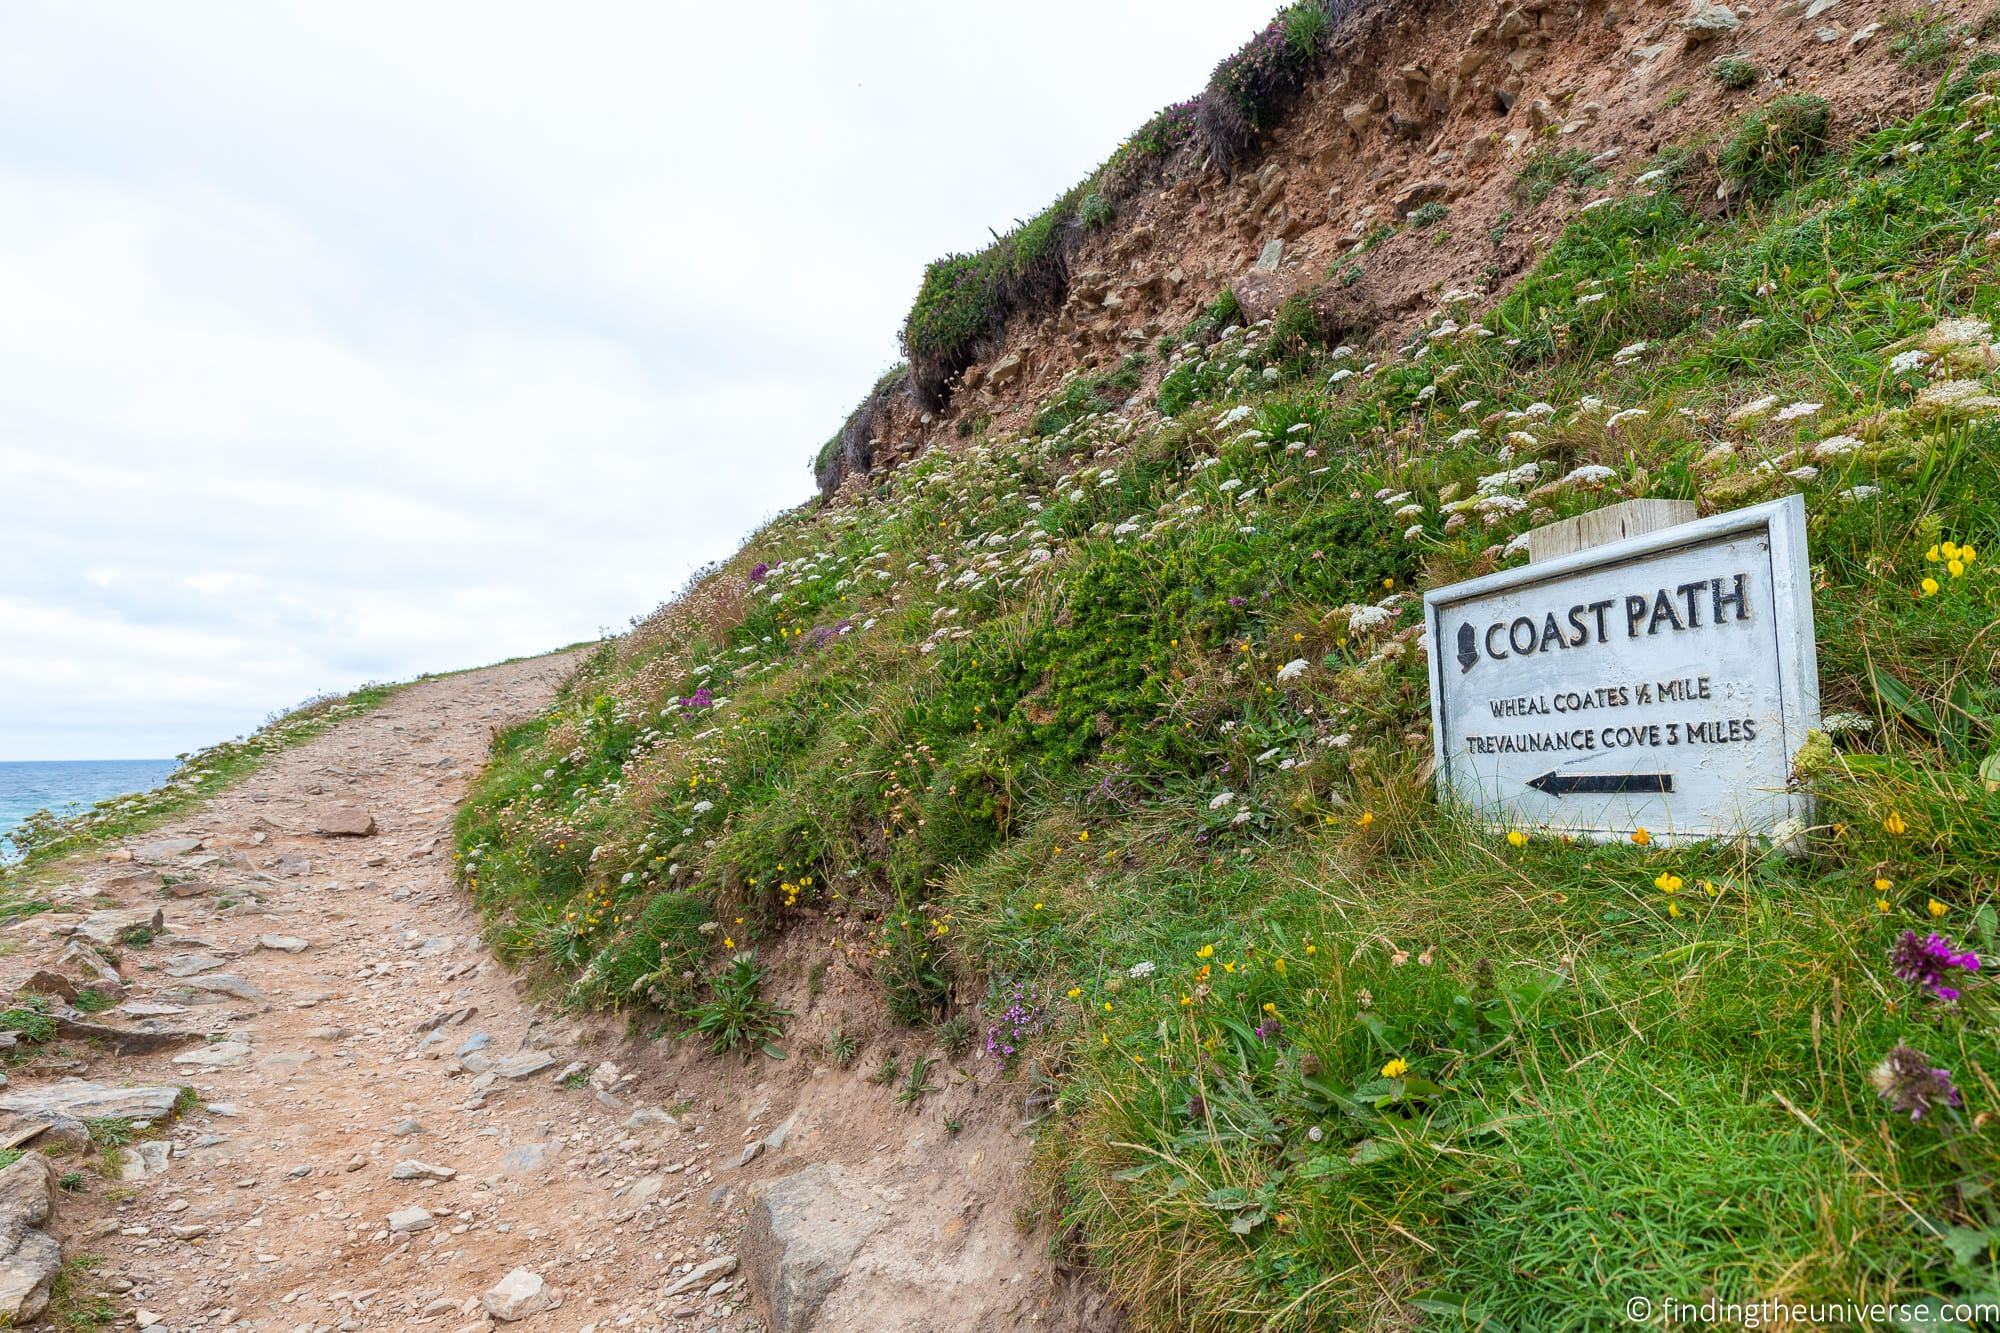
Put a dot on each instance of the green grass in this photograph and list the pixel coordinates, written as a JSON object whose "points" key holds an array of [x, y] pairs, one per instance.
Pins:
{"points": [[29, 1020], [75, 1301], [1124, 727], [1550, 169], [93, 1001]]}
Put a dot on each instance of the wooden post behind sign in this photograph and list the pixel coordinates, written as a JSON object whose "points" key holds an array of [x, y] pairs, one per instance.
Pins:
{"points": [[1613, 523]]}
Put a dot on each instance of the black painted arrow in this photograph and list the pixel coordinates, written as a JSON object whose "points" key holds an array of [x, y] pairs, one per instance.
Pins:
{"points": [[1569, 784]]}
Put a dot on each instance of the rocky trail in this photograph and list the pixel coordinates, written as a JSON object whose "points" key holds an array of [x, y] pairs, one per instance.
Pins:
{"points": [[384, 1133]]}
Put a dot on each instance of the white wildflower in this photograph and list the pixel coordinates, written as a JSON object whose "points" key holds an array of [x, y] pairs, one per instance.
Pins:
{"points": [[1293, 669], [1753, 409], [1366, 618], [1139, 971], [1798, 411]]}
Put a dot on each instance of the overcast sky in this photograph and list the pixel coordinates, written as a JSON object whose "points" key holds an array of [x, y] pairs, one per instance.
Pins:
{"points": [[347, 341]]}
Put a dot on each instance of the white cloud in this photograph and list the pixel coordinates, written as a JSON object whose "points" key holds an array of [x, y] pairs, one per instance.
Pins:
{"points": [[346, 342]]}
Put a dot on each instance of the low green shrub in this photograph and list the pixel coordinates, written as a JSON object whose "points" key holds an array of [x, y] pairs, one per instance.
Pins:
{"points": [[735, 1016], [1735, 72], [1772, 148]]}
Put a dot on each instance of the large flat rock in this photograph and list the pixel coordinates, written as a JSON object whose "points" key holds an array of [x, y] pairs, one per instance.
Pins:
{"points": [[343, 821], [29, 1257], [804, 1231], [91, 1101]]}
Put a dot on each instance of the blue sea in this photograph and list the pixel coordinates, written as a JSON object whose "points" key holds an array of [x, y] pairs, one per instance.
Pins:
{"points": [[67, 785]]}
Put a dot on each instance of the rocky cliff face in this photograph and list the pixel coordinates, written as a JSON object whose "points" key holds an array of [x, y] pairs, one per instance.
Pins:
{"points": [[1437, 147]]}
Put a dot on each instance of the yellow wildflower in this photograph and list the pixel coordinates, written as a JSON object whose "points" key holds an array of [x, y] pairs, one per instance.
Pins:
{"points": [[1894, 824], [1396, 1068], [1937, 908], [1516, 838], [1640, 837]]}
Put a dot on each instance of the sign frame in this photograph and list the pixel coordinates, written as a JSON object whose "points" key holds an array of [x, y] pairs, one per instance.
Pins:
{"points": [[1781, 524]]}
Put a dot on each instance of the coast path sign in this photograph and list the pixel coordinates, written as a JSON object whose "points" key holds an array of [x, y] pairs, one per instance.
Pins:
{"points": [[1662, 682]]}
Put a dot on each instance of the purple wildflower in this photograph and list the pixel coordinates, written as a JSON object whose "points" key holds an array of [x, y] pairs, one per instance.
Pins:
{"points": [[701, 698], [1912, 1085], [761, 572], [1237, 602], [1021, 1019], [821, 635], [1930, 962], [1269, 1028]]}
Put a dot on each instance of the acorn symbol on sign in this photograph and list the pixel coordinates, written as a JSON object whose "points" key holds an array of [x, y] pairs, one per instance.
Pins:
{"points": [[1468, 647]]}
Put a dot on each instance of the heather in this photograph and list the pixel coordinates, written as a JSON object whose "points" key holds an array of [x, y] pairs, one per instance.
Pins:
{"points": [[1112, 736]]}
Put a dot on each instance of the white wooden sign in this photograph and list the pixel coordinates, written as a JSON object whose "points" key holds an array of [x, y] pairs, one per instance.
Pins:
{"points": [[1663, 682]]}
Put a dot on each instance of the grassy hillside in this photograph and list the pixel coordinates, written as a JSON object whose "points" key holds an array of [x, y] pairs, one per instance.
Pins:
{"points": [[1116, 735]]}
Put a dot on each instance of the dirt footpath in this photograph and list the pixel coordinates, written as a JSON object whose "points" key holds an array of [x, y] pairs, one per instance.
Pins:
{"points": [[384, 1134], [385, 1131]]}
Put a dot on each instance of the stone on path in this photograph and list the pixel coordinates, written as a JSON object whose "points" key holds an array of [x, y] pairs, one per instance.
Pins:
{"points": [[343, 821], [166, 849], [701, 1274], [412, 1169], [227, 983], [220, 1055], [804, 1230], [94, 1101], [29, 1257], [114, 926], [124, 1041], [411, 1219], [517, 1296], [282, 943]]}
